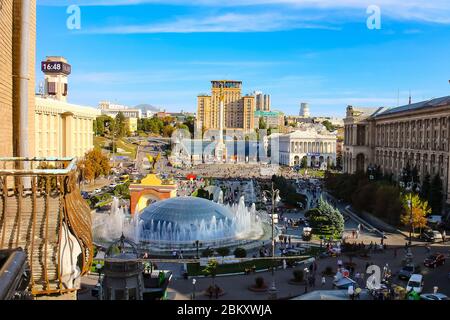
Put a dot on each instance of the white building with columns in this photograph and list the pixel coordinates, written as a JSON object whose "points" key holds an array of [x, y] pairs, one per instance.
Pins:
{"points": [[63, 129], [317, 146]]}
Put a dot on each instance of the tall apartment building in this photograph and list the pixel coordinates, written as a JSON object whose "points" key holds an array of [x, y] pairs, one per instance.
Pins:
{"points": [[17, 74], [262, 101], [238, 109]]}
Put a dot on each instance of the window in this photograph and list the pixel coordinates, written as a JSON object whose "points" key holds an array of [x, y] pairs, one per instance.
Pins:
{"points": [[51, 88], [65, 89]]}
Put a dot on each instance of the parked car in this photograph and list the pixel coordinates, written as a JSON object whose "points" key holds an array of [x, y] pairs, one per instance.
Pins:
{"points": [[434, 219], [433, 296], [113, 185], [434, 260], [415, 283], [431, 235], [408, 270], [98, 190]]}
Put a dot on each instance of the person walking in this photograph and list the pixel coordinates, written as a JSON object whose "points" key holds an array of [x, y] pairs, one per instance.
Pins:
{"points": [[324, 281]]}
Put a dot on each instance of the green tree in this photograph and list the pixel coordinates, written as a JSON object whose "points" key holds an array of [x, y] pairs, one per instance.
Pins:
{"points": [[436, 195], [304, 162], [155, 125], [426, 187], [240, 253], [262, 123], [211, 270], [224, 251], [190, 123], [329, 126], [121, 127], [326, 220]]}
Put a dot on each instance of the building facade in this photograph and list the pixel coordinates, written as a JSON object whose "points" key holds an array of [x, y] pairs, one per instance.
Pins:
{"points": [[417, 134], [63, 129], [273, 119], [112, 110], [11, 79], [317, 147], [238, 110]]}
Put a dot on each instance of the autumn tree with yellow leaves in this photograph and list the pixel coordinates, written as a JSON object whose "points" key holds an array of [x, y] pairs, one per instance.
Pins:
{"points": [[420, 211]]}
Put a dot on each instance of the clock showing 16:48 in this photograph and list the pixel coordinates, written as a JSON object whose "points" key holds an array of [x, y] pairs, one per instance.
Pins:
{"points": [[55, 67]]}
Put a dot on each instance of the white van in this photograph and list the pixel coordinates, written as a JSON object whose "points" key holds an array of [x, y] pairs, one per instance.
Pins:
{"points": [[415, 283]]}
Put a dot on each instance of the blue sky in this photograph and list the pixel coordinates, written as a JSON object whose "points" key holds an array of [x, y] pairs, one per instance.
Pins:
{"points": [[319, 51]]}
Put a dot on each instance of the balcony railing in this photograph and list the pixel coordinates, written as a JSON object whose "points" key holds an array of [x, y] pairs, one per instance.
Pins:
{"points": [[42, 212]]}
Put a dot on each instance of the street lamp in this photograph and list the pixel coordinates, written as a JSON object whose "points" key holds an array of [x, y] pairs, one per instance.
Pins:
{"points": [[193, 288], [197, 244], [409, 188], [274, 195]]}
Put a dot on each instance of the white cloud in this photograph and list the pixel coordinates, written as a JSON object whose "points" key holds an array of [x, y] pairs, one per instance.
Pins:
{"points": [[228, 22], [435, 11]]}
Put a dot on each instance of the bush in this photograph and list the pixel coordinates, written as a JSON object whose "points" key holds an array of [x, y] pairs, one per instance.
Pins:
{"points": [[207, 253], [259, 282], [240, 253], [299, 275], [223, 251]]}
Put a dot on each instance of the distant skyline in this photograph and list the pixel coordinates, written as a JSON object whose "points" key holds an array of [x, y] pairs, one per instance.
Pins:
{"points": [[165, 53]]}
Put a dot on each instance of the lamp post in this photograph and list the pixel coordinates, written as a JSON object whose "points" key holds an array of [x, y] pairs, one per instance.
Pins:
{"points": [[197, 244], [409, 188], [274, 194], [193, 288]]}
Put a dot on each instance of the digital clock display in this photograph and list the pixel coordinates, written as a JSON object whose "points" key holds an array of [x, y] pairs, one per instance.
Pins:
{"points": [[56, 67]]}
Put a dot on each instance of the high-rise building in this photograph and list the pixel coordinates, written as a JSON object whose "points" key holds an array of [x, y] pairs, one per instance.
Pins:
{"points": [[262, 101], [238, 110], [17, 63], [304, 110]]}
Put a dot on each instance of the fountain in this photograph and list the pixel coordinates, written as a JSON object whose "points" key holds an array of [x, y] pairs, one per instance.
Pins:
{"points": [[178, 222]]}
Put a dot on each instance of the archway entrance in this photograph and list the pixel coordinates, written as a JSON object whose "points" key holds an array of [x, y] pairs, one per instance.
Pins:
{"points": [[151, 189]]}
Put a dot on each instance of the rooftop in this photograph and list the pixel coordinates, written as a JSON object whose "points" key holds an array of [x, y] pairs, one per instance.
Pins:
{"points": [[432, 103]]}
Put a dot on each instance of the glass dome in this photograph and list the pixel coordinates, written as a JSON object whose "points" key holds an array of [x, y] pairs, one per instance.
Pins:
{"points": [[186, 219], [185, 210]]}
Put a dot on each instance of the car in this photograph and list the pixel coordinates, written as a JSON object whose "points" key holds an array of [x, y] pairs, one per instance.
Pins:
{"points": [[98, 190], [113, 185], [434, 219], [415, 283], [433, 296], [408, 270], [434, 260], [431, 235]]}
